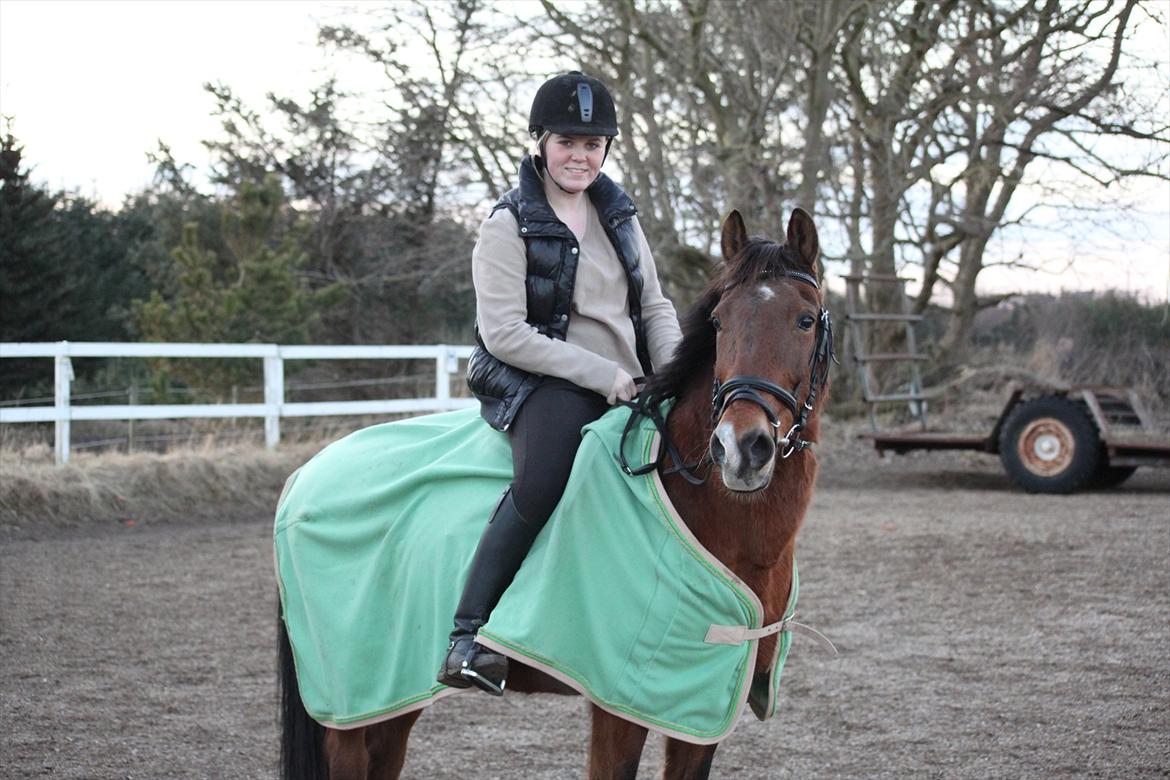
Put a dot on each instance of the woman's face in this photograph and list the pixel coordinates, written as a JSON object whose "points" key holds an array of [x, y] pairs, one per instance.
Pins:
{"points": [[574, 160]]}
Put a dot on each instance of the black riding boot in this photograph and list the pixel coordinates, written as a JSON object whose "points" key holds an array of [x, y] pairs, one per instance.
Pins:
{"points": [[502, 548]]}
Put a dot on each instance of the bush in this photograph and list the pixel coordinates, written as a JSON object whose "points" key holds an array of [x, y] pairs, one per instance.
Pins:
{"points": [[1085, 338]]}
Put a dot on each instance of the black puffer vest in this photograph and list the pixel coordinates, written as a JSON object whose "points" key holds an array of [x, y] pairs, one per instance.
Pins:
{"points": [[552, 269]]}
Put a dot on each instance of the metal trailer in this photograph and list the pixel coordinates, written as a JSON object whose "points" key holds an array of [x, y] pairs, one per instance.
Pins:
{"points": [[1056, 441], [1049, 439]]}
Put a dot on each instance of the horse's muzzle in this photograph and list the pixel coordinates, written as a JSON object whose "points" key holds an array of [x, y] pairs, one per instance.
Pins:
{"points": [[744, 460]]}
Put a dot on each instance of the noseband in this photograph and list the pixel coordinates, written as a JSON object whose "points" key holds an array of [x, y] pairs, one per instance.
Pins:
{"points": [[749, 388]]}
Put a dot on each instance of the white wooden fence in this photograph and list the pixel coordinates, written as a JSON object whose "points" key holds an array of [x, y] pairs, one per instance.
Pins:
{"points": [[274, 407]]}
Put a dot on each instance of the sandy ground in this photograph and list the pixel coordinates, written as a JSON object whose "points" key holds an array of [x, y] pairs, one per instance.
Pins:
{"points": [[983, 633]]}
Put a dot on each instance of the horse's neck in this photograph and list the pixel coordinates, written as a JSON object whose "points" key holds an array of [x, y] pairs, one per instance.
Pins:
{"points": [[754, 537]]}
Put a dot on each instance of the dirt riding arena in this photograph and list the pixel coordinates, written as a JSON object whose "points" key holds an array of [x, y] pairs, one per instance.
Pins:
{"points": [[983, 633]]}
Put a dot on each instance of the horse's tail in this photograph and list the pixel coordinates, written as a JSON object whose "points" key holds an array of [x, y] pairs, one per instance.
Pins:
{"points": [[302, 739]]}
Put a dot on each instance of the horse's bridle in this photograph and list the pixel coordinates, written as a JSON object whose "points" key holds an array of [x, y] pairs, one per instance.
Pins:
{"points": [[747, 388]]}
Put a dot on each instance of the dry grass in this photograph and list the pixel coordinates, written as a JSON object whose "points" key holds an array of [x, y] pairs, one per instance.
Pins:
{"points": [[38, 498], [225, 480], [203, 477], [219, 470]]}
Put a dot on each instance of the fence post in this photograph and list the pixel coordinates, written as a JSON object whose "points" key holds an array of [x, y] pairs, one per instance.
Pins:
{"points": [[273, 397], [132, 398], [442, 377], [62, 377]]}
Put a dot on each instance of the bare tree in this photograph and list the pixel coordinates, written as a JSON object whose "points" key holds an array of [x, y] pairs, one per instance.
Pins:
{"points": [[448, 107], [1041, 92], [714, 100], [913, 127], [820, 30], [976, 92]]}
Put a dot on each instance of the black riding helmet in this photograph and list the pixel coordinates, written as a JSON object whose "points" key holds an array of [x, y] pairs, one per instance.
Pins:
{"points": [[573, 104]]}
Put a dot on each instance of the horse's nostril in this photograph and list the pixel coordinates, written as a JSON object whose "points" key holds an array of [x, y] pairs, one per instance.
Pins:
{"points": [[718, 454], [760, 448]]}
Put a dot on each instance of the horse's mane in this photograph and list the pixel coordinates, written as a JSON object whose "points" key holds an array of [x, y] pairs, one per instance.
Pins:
{"points": [[758, 260]]}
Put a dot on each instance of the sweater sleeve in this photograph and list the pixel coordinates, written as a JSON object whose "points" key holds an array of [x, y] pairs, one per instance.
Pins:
{"points": [[498, 269], [658, 314]]}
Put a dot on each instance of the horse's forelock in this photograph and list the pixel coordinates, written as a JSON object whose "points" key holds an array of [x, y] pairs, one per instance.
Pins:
{"points": [[760, 258]]}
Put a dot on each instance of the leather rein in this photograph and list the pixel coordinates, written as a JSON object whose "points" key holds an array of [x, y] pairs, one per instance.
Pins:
{"points": [[744, 388]]}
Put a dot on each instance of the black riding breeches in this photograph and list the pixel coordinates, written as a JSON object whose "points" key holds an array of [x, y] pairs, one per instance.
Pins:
{"points": [[545, 436]]}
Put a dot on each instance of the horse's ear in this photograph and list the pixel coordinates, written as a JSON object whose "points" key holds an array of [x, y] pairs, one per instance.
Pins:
{"points": [[734, 235], [802, 236]]}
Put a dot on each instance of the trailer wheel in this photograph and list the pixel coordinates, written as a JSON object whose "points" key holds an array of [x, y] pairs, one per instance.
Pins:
{"points": [[1049, 445], [1111, 476]]}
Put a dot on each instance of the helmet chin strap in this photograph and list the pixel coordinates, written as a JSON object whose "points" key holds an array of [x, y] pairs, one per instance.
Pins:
{"points": [[554, 181], [547, 172]]}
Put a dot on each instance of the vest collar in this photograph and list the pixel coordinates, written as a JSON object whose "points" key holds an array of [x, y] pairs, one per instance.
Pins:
{"points": [[535, 213]]}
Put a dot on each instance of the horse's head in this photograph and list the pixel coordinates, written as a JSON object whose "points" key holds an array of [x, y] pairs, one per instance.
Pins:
{"points": [[773, 345]]}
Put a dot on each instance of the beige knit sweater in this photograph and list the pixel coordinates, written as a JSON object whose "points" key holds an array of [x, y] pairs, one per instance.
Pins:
{"points": [[601, 335]]}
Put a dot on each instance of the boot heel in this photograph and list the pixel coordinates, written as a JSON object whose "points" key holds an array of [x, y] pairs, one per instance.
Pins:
{"points": [[450, 673]]}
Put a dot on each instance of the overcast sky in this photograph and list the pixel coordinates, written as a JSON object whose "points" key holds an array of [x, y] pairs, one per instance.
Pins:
{"points": [[93, 85]]}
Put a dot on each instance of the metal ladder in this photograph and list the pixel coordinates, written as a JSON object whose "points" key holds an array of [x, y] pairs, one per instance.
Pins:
{"points": [[857, 319]]}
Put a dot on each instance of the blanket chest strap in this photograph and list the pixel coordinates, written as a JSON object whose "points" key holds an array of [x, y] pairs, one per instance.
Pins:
{"points": [[735, 635]]}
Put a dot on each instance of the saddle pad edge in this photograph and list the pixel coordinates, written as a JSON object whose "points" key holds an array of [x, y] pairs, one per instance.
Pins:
{"points": [[544, 665]]}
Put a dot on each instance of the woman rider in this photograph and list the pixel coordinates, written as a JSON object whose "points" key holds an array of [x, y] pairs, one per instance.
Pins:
{"points": [[568, 310]]}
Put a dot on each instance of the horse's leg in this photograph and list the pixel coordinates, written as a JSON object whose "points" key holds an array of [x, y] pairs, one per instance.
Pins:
{"points": [[345, 754], [386, 746], [615, 747], [686, 761]]}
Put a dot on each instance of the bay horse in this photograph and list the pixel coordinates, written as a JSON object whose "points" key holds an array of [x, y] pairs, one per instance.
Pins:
{"points": [[747, 379]]}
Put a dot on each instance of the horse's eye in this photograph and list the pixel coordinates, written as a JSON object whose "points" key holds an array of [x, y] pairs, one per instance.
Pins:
{"points": [[716, 324], [806, 322]]}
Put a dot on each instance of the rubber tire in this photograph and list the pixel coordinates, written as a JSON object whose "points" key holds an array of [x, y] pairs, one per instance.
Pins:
{"points": [[1078, 452], [1111, 476]]}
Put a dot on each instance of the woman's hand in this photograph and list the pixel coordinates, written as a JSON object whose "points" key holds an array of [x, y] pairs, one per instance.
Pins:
{"points": [[623, 388]]}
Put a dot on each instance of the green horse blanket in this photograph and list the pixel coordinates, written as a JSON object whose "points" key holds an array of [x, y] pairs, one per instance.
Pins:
{"points": [[617, 598]]}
